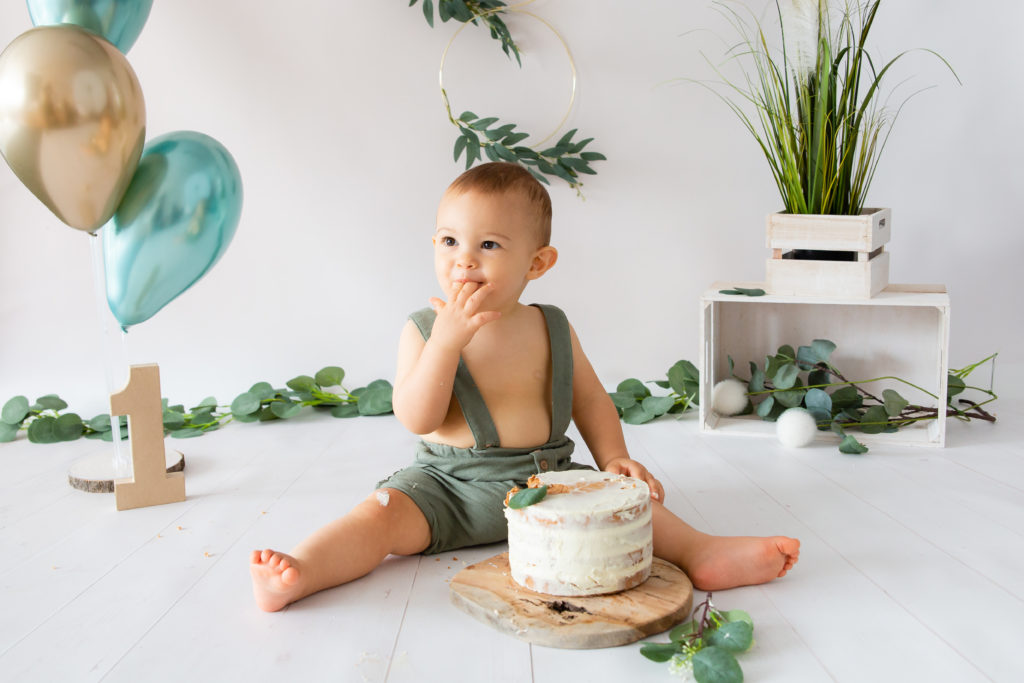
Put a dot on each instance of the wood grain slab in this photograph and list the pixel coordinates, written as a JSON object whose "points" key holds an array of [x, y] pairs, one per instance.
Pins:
{"points": [[486, 591], [95, 473]]}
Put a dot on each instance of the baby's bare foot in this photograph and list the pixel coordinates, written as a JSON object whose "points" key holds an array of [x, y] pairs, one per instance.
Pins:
{"points": [[276, 579], [731, 561]]}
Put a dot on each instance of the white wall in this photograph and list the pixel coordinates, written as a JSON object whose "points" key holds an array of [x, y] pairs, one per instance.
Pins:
{"points": [[333, 114]]}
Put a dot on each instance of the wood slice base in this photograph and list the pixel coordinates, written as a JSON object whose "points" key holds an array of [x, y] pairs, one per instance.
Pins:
{"points": [[95, 473], [487, 592]]}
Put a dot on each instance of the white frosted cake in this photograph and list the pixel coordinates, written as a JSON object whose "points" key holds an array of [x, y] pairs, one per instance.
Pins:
{"points": [[591, 534]]}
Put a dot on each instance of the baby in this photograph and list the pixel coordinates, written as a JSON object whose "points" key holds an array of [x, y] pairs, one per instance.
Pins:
{"points": [[491, 385]]}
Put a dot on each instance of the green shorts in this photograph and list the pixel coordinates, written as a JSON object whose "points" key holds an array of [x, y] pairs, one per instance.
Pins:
{"points": [[461, 491]]}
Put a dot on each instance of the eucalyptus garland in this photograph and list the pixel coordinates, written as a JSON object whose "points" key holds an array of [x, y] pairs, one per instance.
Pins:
{"points": [[477, 12], [481, 136], [44, 422], [802, 378]]}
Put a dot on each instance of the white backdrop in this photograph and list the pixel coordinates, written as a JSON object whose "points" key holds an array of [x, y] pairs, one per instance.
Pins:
{"points": [[333, 113]]}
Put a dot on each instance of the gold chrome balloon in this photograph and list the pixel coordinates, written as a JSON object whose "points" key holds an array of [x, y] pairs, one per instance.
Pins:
{"points": [[72, 121]]}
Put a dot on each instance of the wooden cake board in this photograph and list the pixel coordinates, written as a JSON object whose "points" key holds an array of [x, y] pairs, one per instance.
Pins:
{"points": [[486, 591]]}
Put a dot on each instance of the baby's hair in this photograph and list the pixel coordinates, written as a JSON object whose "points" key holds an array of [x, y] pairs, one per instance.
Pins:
{"points": [[499, 177]]}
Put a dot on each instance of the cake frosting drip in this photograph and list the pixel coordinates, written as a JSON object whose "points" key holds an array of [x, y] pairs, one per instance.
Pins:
{"points": [[591, 534]]}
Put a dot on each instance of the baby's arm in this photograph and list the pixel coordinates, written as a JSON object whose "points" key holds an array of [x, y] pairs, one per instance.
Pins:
{"points": [[426, 370], [598, 421]]}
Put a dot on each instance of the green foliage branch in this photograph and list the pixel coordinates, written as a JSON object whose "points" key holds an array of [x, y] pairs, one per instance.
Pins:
{"points": [[487, 136], [802, 378], [44, 422], [706, 646], [818, 122]]}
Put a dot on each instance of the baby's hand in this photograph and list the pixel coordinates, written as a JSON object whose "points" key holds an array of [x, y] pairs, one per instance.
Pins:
{"points": [[631, 468], [460, 318]]}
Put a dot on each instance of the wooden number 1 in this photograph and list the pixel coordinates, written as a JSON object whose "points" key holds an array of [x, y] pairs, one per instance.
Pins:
{"points": [[150, 484]]}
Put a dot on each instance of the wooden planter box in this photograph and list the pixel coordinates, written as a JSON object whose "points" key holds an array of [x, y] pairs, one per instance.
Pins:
{"points": [[901, 332], [864, 236]]}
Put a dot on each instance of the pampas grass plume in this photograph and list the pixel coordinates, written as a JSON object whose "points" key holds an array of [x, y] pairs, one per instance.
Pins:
{"points": [[729, 397]]}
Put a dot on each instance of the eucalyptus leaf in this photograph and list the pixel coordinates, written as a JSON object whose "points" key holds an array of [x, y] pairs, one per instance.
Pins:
{"points": [[266, 414], [635, 387], [851, 446], [636, 415], [764, 408], [660, 652], [738, 615], [330, 376], [819, 403], [285, 409], [846, 398], [262, 391], [245, 404], [786, 376], [300, 383], [527, 497], [682, 631], [954, 386], [208, 402], [894, 403], [756, 383], [657, 405], [790, 398], [716, 665], [376, 400], [51, 402], [8, 432], [42, 430], [173, 420], [819, 351], [874, 420], [623, 399], [735, 636], [14, 411], [345, 410], [684, 377]]}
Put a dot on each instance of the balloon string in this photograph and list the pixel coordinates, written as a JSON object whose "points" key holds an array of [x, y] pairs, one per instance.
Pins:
{"points": [[515, 9], [114, 352]]}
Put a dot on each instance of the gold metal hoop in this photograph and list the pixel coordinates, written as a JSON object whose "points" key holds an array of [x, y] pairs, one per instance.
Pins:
{"points": [[505, 10]]}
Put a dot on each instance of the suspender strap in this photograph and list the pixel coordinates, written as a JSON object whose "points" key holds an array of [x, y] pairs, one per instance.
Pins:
{"points": [[561, 368], [466, 391]]}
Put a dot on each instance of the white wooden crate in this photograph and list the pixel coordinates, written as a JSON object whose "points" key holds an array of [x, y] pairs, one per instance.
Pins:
{"points": [[864, 235], [903, 332]]}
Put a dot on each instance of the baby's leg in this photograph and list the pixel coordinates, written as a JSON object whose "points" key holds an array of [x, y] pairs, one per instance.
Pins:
{"points": [[720, 562], [340, 551]]}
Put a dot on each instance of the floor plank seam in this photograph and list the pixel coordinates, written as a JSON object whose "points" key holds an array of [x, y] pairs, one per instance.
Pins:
{"points": [[401, 622]]}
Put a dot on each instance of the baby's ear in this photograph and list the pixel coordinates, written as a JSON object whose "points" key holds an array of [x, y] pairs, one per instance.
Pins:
{"points": [[543, 260]]}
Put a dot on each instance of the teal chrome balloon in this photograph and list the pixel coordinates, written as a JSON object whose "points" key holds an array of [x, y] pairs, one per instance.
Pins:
{"points": [[176, 220], [119, 21]]}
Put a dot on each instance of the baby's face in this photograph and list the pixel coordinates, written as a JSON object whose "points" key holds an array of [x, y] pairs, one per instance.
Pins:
{"points": [[487, 239]]}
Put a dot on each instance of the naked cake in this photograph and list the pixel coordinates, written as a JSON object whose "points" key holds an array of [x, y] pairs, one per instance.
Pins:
{"points": [[591, 534]]}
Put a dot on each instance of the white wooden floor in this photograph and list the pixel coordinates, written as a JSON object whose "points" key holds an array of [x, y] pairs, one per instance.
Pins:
{"points": [[912, 566]]}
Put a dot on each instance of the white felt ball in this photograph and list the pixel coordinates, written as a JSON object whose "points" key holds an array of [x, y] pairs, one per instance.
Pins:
{"points": [[729, 397], [796, 428]]}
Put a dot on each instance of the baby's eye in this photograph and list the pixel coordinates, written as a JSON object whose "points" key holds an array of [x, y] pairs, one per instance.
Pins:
{"points": [[489, 244], [448, 241]]}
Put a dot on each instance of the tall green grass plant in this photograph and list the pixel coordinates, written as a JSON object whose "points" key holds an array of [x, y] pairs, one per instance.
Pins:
{"points": [[818, 114]]}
